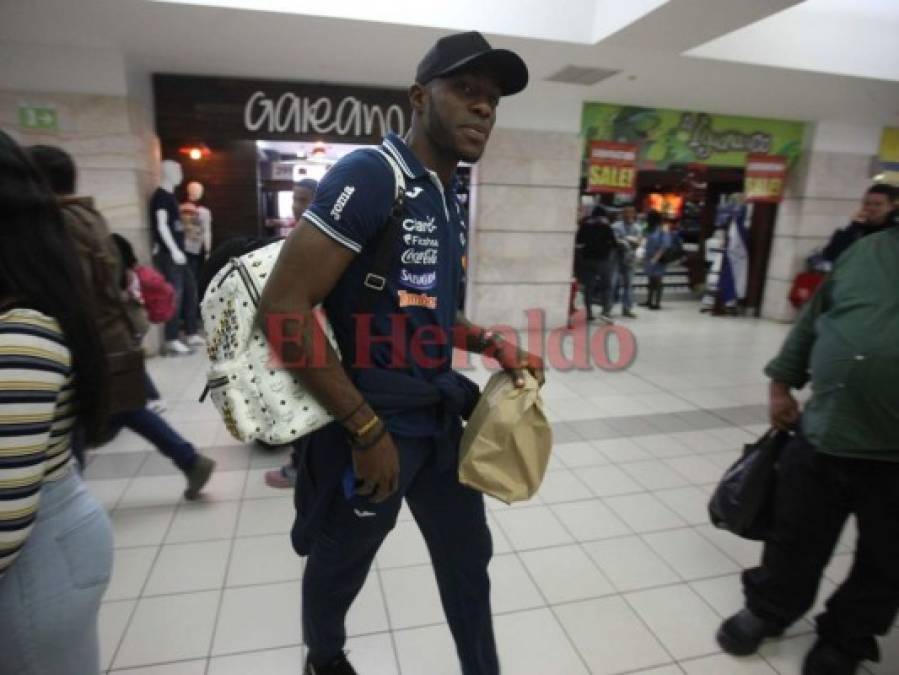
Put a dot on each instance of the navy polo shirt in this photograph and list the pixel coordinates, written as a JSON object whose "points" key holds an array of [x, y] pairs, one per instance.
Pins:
{"points": [[419, 303]]}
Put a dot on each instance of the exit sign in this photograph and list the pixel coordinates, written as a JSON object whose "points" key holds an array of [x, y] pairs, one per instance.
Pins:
{"points": [[36, 117]]}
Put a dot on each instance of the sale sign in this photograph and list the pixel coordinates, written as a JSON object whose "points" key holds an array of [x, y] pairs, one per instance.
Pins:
{"points": [[613, 167], [766, 177]]}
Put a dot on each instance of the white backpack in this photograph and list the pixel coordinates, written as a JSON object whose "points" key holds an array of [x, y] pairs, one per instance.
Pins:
{"points": [[257, 400]]}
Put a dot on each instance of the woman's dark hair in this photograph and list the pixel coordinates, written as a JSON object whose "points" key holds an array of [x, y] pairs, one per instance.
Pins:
{"points": [[653, 221], [57, 167], [39, 269]]}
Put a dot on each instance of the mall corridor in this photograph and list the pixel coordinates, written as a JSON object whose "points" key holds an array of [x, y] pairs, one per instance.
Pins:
{"points": [[612, 568], [193, 483]]}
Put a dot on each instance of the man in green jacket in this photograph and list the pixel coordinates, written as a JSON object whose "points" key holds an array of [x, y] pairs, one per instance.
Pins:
{"points": [[844, 462]]}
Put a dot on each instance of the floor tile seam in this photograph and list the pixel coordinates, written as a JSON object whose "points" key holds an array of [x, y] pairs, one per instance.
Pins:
{"points": [[143, 587], [220, 589], [698, 530], [703, 578], [665, 487], [593, 540], [180, 501], [390, 629], [648, 627], [128, 669], [130, 480], [536, 585], [641, 671], [208, 658], [205, 541], [725, 423], [612, 585]]}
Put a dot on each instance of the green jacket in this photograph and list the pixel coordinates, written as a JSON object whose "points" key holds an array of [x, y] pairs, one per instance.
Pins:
{"points": [[846, 341]]}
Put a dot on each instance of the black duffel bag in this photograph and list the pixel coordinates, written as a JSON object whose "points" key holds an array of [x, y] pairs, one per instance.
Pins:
{"points": [[743, 502]]}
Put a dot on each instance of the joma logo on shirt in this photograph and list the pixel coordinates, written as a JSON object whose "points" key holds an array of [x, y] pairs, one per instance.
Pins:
{"points": [[408, 299], [342, 201]]}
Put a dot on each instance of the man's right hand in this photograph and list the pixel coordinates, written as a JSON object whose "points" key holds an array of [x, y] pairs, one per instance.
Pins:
{"points": [[378, 467], [783, 408]]}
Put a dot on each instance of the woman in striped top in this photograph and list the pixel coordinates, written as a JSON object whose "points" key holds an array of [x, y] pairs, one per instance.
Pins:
{"points": [[55, 538]]}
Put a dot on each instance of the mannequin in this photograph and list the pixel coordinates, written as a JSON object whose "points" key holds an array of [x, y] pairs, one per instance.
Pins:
{"points": [[169, 257], [197, 221]]}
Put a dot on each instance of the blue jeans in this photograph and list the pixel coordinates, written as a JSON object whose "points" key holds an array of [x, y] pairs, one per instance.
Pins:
{"points": [[452, 520], [155, 429], [625, 282], [50, 596], [186, 304], [152, 391]]}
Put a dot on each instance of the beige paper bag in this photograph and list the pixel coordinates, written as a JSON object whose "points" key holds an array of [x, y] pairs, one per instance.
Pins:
{"points": [[507, 442]]}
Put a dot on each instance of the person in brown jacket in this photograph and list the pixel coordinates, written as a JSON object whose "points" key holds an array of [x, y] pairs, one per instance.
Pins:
{"points": [[102, 265]]}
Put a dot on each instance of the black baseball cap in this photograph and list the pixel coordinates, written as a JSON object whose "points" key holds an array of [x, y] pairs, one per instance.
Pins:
{"points": [[464, 51]]}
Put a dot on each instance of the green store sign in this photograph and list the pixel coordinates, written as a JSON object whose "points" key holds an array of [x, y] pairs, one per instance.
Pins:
{"points": [[667, 137]]}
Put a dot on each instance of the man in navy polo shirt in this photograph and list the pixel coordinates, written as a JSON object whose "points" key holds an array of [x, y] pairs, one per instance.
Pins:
{"points": [[395, 397]]}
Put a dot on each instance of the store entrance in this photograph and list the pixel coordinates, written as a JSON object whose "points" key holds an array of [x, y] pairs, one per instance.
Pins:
{"points": [[284, 165], [690, 199]]}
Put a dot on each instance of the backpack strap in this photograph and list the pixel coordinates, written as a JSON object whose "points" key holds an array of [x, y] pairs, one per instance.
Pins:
{"points": [[376, 279]]}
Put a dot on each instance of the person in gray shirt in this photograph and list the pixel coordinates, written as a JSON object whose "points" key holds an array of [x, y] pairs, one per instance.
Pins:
{"points": [[628, 235]]}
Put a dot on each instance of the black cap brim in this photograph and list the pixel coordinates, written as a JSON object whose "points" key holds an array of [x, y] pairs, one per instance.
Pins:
{"points": [[507, 66]]}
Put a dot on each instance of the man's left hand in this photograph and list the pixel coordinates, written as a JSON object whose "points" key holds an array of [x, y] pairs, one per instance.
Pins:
{"points": [[515, 361]]}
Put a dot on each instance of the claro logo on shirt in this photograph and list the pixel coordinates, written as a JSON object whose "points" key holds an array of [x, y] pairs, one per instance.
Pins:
{"points": [[342, 201], [408, 299]]}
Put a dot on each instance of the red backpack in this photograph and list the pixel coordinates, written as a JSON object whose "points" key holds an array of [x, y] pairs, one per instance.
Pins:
{"points": [[159, 296]]}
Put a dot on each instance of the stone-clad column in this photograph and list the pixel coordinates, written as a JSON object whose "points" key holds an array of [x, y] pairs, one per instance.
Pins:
{"points": [[524, 210], [823, 194], [115, 151], [112, 156]]}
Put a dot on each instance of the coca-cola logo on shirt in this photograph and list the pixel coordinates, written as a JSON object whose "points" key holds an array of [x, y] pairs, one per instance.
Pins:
{"points": [[426, 256]]}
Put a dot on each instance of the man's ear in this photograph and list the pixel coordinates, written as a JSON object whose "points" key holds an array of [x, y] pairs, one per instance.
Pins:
{"points": [[418, 95]]}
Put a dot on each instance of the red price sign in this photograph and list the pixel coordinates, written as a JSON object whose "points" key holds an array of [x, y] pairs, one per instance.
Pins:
{"points": [[766, 177], [613, 167]]}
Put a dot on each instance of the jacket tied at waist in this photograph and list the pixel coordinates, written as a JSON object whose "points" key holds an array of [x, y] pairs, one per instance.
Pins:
{"points": [[444, 402], [324, 455]]}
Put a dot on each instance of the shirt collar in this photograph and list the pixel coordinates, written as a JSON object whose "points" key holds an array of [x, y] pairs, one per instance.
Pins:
{"points": [[409, 164]]}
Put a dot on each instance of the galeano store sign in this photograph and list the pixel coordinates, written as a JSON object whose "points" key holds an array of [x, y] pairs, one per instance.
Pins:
{"points": [[665, 137]]}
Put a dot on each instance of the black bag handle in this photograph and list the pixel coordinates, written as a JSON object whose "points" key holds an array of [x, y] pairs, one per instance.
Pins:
{"points": [[376, 280]]}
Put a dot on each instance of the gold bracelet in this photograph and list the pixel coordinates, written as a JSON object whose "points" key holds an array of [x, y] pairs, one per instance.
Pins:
{"points": [[365, 428]]}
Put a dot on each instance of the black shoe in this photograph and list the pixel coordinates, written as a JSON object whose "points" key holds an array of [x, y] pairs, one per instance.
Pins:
{"points": [[826, 659], [742, 633], [629, 314], [339, 666], [198, 477]]}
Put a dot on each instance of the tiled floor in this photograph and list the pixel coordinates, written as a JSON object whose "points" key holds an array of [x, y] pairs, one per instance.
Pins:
{"points": [[612, 568]]}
